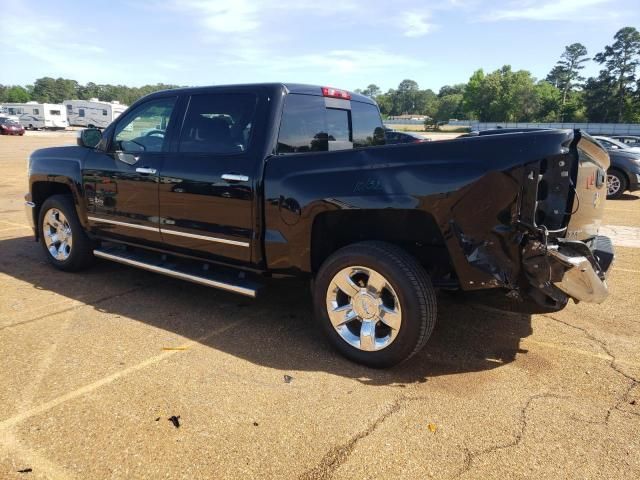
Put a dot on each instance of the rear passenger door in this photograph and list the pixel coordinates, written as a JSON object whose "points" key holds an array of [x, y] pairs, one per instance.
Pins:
{"points": [[207, 181]]}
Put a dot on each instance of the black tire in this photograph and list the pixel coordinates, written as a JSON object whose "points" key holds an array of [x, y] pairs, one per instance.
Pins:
{"points": [[81, 254], [411, 285], [620, 178]]}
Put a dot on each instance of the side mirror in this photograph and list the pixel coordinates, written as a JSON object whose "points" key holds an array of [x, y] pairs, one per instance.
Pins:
{"points": [[89, 137]]}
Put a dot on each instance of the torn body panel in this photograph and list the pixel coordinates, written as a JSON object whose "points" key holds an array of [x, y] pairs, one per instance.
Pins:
{"points": [[498, 201]]}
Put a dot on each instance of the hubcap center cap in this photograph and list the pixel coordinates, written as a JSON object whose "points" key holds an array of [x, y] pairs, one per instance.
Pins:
{"points": [[366, 306]]}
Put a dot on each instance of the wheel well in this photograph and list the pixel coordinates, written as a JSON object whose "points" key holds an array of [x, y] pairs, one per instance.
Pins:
{"points": [[40, 191], [621, 172], [415, 231]]}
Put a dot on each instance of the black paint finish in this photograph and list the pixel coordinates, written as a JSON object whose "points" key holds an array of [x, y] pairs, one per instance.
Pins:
{"points": [[477, 200]]}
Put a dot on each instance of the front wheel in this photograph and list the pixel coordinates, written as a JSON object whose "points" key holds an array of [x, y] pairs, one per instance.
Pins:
{"points": [[375, 302], [62, 237]]}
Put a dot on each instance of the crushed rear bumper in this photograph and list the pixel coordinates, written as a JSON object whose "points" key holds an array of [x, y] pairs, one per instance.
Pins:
{"points": [[584, 266]]}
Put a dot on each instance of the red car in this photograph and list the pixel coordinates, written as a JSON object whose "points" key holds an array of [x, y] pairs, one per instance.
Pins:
{"points": [[10, 127]]}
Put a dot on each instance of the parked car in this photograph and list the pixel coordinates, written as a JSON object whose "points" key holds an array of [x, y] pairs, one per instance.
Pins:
{"points": [[239, 183], [9, 126], [630, 140], [624, 172], [393, 137], [613, 144]]}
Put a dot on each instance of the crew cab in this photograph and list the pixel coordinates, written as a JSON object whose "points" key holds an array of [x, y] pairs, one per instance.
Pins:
{"points": [[226, 185]]}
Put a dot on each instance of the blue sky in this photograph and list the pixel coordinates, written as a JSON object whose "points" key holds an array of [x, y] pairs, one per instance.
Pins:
{"points": [[342, 43]]}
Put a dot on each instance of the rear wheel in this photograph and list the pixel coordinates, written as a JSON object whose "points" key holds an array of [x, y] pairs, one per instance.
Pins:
{"points": [[62, 237], [616, 184], [375, 302]]}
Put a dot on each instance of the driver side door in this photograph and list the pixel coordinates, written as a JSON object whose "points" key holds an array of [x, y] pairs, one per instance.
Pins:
{"points": [[121, 181]]}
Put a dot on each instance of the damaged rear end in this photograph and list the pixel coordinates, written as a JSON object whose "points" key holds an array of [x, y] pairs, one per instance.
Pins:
{"points": [[532, 228], [561, 208]]}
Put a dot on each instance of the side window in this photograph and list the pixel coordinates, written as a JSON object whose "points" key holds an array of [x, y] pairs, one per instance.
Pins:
{"points": [[367, 125], [218, 123], [143, 129], [54, 112], [302, 128], [104, 113], [36, 111], [69, 108], [81, 112]]}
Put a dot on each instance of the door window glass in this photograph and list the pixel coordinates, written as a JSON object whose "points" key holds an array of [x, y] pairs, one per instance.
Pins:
{"points": [[144, 129], [218, 123]]}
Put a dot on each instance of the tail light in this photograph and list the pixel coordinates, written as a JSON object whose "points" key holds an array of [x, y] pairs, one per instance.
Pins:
{"points": [[335, 93]]}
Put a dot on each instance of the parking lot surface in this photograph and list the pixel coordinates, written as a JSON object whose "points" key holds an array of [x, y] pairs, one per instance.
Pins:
{"points": [[94, 365]]}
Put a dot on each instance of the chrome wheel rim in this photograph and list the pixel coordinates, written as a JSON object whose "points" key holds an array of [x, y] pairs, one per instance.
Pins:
{"points": [[57, 234], [613, 184], [363, 308]]}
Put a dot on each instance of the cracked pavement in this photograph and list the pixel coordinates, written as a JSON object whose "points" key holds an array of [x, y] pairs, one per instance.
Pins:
{"points": [[95, 363]]}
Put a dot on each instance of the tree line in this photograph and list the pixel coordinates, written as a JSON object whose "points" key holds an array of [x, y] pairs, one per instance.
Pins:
{"points": [[516, 96], [504, 95], [50, 90]]}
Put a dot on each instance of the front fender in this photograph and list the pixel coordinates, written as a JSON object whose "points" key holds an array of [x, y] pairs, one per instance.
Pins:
{"points": [[53, 168]]}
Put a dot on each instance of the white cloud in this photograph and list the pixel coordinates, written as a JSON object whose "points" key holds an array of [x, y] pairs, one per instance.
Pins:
{"points": [[416, 24], [558, 10], [51, 43], [223, 16]]}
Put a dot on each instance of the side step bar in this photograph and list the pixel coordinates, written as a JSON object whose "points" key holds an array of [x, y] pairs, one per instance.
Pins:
{"points": [[157, 264]]}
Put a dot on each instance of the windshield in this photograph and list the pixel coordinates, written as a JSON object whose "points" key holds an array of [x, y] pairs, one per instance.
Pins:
{"points": [[7, 121], [611, 141]]}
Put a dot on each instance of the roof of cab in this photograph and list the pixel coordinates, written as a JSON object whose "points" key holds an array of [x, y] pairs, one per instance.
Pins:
{"points": [[297, 88]]}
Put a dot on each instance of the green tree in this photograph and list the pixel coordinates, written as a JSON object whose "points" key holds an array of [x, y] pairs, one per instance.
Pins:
{"points": [[599, 97], [621, 61], [449, 106], [452, 90], [548, 101], [474, 102], [565, 75], [44, 90], [371, 91], [502, 96], [17, 94], [408, 86]]}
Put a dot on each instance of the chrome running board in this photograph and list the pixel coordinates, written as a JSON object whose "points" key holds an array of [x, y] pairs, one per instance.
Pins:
{"points": [[158, 264]]}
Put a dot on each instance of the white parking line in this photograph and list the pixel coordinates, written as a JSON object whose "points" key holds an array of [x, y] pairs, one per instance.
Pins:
{"points": [[625, 270], [621, 235], [15, 224], [7, 424]]}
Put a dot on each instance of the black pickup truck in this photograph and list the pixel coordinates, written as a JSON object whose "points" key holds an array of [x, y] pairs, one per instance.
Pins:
{"points": [[226, 185]]}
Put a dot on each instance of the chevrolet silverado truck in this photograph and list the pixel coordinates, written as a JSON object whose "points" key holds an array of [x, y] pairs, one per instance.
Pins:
{"points": [[224, 186]]}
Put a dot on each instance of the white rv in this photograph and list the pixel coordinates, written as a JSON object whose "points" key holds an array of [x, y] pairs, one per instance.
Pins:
{"points": [[38, 115], [92, 112]]}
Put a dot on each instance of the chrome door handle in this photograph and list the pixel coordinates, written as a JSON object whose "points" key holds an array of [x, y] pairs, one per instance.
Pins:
{"points": [[149, 171], [232, 177]]}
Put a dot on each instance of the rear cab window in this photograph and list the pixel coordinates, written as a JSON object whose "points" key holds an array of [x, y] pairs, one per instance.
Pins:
{"points": [[312, 123]]}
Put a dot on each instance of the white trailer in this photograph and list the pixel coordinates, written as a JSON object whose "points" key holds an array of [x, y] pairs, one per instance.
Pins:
{"points": [[38, 115], [92, 112]]}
